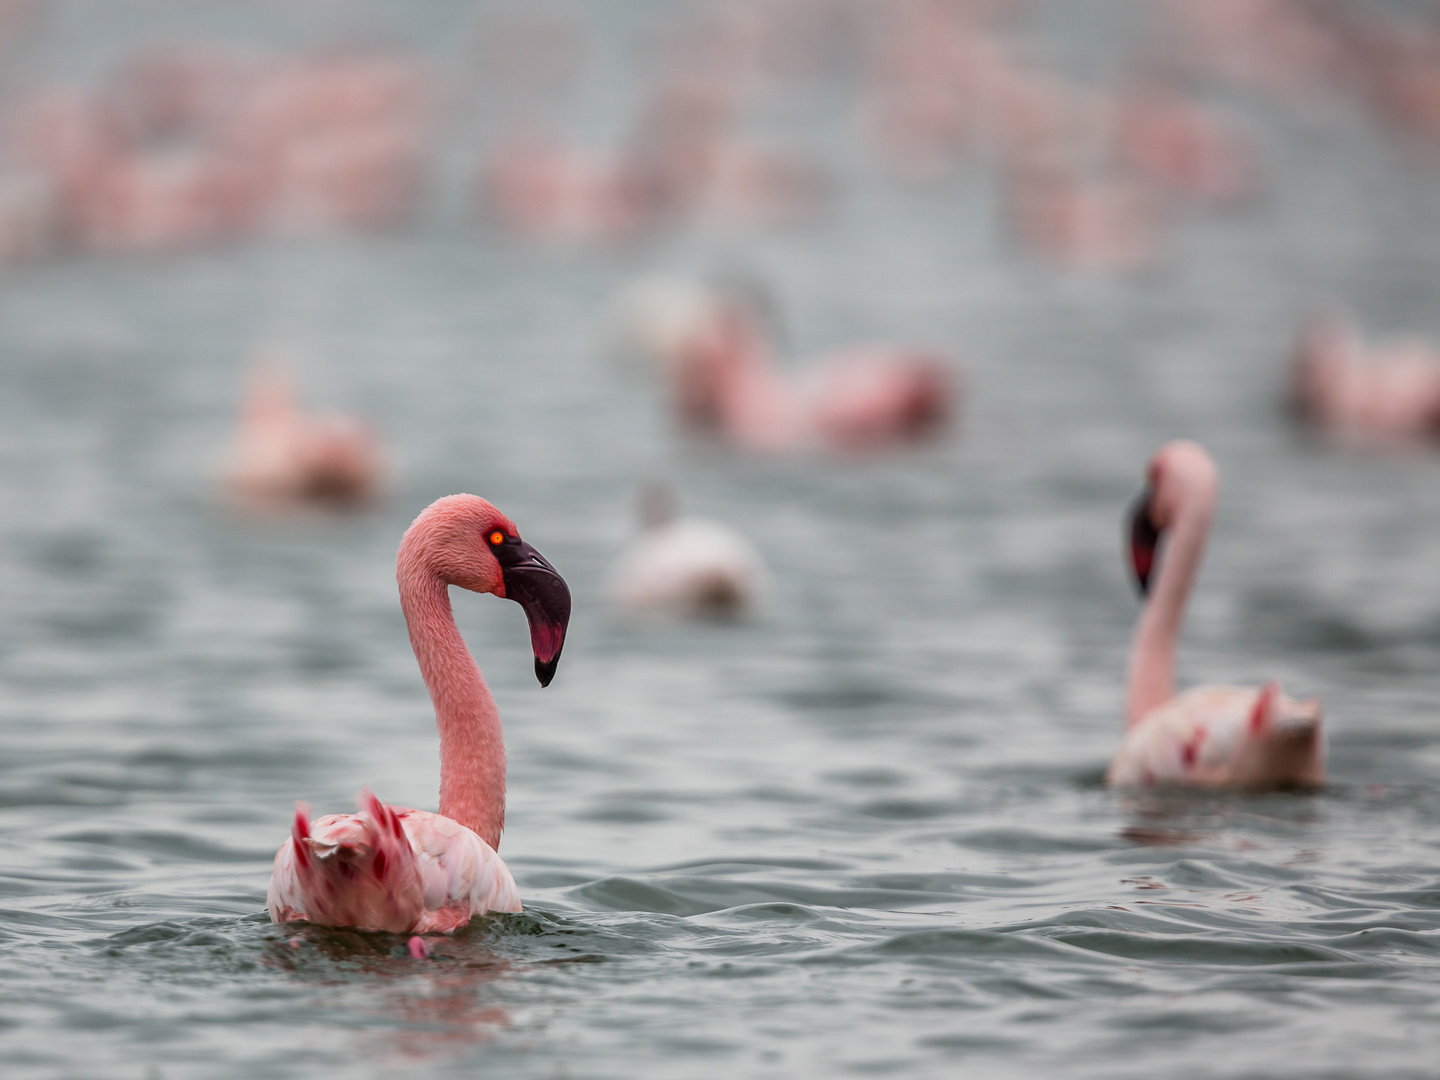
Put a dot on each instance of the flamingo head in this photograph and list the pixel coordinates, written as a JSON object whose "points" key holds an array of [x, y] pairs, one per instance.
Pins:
{"points": [[464, 540], [1181, 480], [1144, 540]]}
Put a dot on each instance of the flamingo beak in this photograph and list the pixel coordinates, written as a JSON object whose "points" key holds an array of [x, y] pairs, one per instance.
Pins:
{"points": [[1144, 539], [533, 583]]}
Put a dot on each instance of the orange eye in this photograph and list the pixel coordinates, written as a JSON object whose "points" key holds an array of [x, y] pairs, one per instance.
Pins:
{"points": [[497, 537]]}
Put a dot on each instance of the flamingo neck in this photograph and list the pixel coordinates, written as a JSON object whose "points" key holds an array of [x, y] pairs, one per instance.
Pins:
{"points": [[1152, 651], [472, 746]]}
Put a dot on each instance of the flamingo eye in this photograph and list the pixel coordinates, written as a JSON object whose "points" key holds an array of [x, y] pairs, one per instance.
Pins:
{"points": [[497, 538]]}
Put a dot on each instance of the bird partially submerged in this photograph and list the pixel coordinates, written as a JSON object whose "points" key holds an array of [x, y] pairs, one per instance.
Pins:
{"points": [[283, 455], [1209, 736], [714, 350], [412, 871], [686, 566]]}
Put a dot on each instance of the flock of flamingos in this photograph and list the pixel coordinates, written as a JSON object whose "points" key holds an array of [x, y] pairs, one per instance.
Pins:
{"points": [[188, 145]]}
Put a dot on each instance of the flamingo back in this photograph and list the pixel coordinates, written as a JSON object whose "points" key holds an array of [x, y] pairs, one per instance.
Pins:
{"points": [[1224, 736], [387, 868]]}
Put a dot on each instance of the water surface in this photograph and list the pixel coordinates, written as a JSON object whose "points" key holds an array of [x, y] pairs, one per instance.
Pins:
{"points": [[864, 834]]}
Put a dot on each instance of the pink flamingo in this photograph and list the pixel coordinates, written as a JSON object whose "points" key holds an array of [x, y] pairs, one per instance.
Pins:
{"points": [[163, 201], [189, 145], [1375, 393], [1185, 148], [547, 189], [686, 566], [412, 871], [282, 454], [1094, 223], [724, 378], [1209, 736]]}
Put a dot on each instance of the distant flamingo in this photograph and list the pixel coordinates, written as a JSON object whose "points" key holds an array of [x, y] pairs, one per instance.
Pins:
{"points": [[412, 871], [282, 454], [547, 189], [1185, 148], [1209, 736], [188, 145], [686, 566], [1096, 224], [713, 351], [1364, 393]]}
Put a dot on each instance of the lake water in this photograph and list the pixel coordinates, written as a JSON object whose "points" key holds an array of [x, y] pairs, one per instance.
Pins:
{"points": [[864, 834]]}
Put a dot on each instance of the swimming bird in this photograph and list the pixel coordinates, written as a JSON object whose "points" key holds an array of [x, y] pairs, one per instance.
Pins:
{"points": [[282, 454], [713, 348], [686, 566], [1208, 736], [1364, 393], [412, 871]]}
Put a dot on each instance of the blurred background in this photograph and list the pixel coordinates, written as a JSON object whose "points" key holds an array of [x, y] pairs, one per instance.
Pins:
{"points": [[904, 293]]}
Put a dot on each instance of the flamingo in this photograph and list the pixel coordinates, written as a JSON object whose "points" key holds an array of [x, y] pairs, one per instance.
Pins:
{"points": [[188, 145], [711, 347], [547, 189], [1360, 392], [282, 454], [1208, 736], [394, 869], [686, 566], [1098, 223], [1182, 147]]}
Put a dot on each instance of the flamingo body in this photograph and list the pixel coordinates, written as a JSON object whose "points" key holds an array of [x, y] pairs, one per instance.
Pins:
{"points": [[869, 395], [549, 190], [1223, 737], [387, 868], [1361, 392], [724, 377], [283, 454], [689, 567]]}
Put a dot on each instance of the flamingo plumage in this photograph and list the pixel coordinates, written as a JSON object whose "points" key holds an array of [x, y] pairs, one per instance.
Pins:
{"points": [[1209, 736], [712, 348], [1362, 392], [412, 871], [686, 566], [284, 455]]}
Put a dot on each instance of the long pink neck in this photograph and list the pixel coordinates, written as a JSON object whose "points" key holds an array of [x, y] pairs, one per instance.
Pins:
{"points": [[1152, 651], [472, 747]]}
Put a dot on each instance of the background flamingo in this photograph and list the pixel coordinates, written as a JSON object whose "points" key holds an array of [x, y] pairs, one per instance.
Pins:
{"points": [[1364, 393], [1209, 736], [400, 870], [713, 350], [686, 566], [282, 454]]}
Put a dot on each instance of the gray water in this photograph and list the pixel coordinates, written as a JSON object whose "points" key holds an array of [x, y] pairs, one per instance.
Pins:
{"points": [[863, 834]]}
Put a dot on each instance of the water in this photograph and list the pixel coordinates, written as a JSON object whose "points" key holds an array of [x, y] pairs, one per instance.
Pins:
{"points": [[864, 834]]}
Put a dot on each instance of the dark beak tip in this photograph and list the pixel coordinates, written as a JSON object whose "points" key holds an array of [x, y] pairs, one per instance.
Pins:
{"points": [[545, 670]]}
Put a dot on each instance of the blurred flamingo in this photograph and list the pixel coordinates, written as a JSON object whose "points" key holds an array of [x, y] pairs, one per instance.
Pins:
{"points": [[189, 144], [712, 349], [686, 566], [1185, 148], [412, 871], [1377, 393], [546, 189], [1208, 736], [1095, 222], [283, 455]]}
